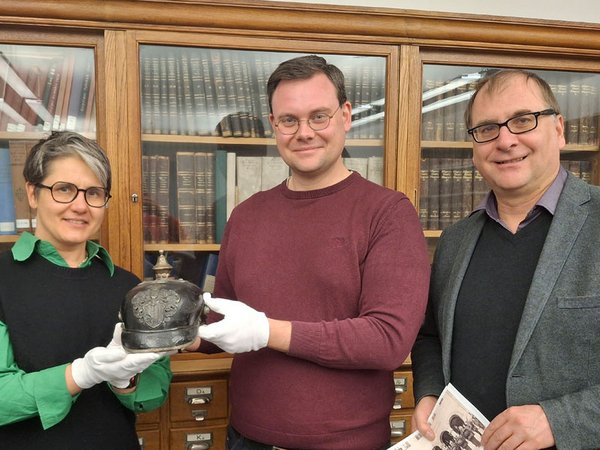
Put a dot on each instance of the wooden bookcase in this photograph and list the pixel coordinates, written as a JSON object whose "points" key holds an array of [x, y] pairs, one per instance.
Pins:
{"points": [[405, 46]]}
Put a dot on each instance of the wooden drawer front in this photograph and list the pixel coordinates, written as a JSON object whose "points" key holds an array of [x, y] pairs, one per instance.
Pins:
{"points": [[200, 438], [401, 427], [148, 417], [149, 439], [198, 401], [403, 384]]}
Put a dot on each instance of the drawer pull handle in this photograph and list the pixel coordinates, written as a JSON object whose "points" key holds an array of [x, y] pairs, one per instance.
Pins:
{"points": [[400, 385], [204, 446], [398, 428], [198, 395], [199, 415], [200, 441]]}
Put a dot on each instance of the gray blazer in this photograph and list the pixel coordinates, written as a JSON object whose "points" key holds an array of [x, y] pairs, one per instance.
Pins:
{"points": [[556, 357]]}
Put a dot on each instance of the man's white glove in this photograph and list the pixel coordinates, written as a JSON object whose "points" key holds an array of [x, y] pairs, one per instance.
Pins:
{"points": [[111, 363], [242, 328]]}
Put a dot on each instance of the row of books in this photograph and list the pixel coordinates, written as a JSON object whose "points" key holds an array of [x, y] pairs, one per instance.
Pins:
{"points": [[451, 188], [215, 92], [49, 93], [15, 214], [578, 101], [189, 195]]}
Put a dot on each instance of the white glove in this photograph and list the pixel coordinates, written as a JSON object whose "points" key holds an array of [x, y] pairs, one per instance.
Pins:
{"points": [[242, 328], [116, 339], [112, 364]]}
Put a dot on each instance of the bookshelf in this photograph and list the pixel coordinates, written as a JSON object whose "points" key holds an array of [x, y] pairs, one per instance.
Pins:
{"points": [[450, 187], [401, 52], [42, 89], [207, 144]]}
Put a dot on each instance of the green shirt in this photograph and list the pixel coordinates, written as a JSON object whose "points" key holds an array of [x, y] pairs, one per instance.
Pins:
{"points": [[44, 393]]}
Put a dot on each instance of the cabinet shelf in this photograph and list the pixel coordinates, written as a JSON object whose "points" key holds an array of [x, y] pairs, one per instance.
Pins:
{"points": [[8, 238], [569, 148], [218, 140], [182, 247], [34, 135]]}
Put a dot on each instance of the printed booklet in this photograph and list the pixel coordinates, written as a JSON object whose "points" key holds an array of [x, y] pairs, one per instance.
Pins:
{"points": [[455, 422]]}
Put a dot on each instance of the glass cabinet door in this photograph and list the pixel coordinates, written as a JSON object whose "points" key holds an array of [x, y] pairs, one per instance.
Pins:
{"points": [[450, 187], [42, 89], [207, 144]]}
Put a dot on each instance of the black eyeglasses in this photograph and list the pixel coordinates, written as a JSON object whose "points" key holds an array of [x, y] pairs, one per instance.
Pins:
{"points": [[63, 192], [519, 124], [317, 122]]}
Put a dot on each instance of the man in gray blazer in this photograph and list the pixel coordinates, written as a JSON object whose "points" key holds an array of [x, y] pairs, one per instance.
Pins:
{"points": [[513, 318]]}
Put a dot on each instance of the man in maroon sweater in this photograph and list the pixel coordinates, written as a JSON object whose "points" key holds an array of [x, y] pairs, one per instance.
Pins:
{"points": [[329, 273]]}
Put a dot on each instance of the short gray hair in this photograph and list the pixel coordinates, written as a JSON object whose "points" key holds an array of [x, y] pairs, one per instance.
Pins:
{"points": [[61, 144]]}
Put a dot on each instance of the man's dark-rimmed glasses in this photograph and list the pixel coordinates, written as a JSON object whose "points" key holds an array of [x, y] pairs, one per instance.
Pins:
{"points": [[519, 124]]}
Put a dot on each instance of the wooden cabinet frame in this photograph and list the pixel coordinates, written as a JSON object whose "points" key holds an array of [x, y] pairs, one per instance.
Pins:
{"points": [[406, 38]]}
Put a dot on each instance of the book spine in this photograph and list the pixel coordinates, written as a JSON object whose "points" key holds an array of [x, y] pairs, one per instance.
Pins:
{"points": [[573, 102], [186, 197], [163, 123], [424, 193], [232, 101], [231, 182], [585, 111], [457, 188], [200, 167], [146, 93], [593, 130], [210, 82], [156, 94], [480, 188], [467, 188], [438, 117], [163, 197], [172, 84], [89, 122], [86, 92], [203, 127], [445, 192], [19, 150], [7, 206], [375, 169], [153, 210], [585, 171], [248, 171], [220, 194], [357, 164], [53, 80], [186, 89], [64, 91], [274, 171], [209, 179], [76, 95], [434, 194], [146, 198]]}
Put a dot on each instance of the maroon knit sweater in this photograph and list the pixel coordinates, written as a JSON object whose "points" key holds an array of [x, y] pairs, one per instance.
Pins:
{"points": [[348, 266]]}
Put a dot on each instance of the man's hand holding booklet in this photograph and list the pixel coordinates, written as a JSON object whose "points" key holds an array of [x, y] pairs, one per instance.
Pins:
{"points": [[455, 422]]}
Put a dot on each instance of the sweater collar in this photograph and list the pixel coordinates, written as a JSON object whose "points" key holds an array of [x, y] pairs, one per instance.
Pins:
{"points": [[28, 244], [350, 179]]}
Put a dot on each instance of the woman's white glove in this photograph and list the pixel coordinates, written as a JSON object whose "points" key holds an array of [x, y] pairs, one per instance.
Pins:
{"points": [[242, 328], [111, 363]]}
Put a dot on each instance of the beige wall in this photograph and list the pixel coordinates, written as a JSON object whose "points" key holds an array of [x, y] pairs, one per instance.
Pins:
{"points": [[571, 10]]}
